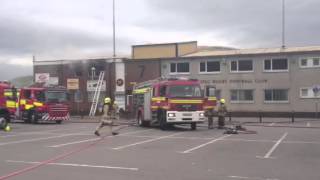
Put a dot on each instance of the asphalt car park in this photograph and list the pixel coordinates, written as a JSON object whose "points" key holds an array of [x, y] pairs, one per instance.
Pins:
{"points": [[282, 151]]}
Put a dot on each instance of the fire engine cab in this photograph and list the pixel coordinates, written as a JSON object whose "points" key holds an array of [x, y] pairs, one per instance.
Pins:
{"points": [[7, 102], [171, 101], [43, 103]]}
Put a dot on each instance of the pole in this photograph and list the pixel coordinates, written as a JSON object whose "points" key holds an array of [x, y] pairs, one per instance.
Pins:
{"points": [[114, 29], [283, 24]]}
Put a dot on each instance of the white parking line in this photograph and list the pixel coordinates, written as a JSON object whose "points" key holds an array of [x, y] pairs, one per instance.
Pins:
{"points": [[34, 139], [253, 178], [93, 139], [146, 141], [274, 146], [39, 132], [205, 144], [77, 165]]}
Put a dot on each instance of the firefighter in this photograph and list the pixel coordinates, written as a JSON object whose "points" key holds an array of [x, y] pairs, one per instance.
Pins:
{"points": [[210, 114], [109, 116], [222, 111]]}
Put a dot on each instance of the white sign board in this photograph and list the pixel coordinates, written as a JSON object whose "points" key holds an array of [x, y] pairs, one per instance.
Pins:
{"points": [[92, 84], [42, 77], [53, 81]]}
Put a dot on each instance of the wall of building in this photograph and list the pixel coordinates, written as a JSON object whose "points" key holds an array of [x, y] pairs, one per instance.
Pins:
{"points": [[81, 70], [163, 50], [258, 80]]}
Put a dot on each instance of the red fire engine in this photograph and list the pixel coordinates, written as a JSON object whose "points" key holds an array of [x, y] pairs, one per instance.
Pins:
{"points": [[33, 104], [43, 103], [7, 102], [171, 101]]}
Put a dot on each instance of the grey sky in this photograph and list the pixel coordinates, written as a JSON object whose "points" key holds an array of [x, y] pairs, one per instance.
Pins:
{"points": [[59, 29]]}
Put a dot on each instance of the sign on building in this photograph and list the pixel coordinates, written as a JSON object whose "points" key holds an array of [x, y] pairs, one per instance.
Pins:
{"points": [[53, 81], [42, 77], [73, 84], [92, 84]]}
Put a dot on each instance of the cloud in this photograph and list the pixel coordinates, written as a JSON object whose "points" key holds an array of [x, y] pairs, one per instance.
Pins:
{"points": [[10, 71], [243, 23]]}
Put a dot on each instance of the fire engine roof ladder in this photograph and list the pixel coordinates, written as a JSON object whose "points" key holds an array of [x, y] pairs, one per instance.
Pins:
{"points": [[96, 96]]}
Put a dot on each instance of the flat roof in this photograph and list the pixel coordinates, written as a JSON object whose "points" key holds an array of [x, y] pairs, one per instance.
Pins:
{"points": [[253, 51], [161, 44]]}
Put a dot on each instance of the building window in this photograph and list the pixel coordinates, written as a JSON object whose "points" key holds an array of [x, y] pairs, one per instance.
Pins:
{"points": [[242, 96], [210, 67], [276, 65], [242, 66], [218, 94], [179, 67], [307, 92], [315, 61], [310, 62], [276, 95]]}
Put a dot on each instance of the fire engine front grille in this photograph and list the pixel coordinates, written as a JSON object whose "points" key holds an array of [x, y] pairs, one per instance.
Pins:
{"points": [[58, 109], [186, 107]]}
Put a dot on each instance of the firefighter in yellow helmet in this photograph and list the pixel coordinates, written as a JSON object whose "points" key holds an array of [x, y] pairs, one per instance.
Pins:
{"points": [[222, 112], [109, 116]]}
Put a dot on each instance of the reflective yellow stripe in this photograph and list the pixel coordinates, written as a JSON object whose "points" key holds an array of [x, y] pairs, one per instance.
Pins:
{"points": [[28, 106], [38, 104], [208, 107], [141, 91], [212, 98], [165, 107], [11, 104], [154, 107], [8, 94], [186, 101], [158, 98], [23, 101]]}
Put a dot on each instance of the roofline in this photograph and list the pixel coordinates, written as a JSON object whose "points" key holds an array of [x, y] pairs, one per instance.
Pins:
{"points": [[69, 61], [164, 44], [237, 52]]}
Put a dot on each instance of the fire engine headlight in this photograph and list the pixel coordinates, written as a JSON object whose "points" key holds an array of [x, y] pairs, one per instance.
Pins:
{"points": [[171, 115], [201, 114]]}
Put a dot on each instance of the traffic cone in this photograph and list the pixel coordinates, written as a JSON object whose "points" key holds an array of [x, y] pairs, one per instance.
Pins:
{"points": [[7, 128]]}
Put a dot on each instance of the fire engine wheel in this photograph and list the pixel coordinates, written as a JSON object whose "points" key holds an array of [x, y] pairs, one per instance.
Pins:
{"points": [[141, 122], [33, 118], [193, 126], [3, 122]]}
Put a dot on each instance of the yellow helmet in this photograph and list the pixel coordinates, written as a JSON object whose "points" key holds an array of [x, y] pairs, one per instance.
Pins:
{"points": [[107, 100], [222, 101], [115, 102], [7, 128]]}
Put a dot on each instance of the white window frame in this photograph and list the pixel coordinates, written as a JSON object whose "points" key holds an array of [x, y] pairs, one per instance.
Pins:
{"points": [[277, 101], [206, 67], [237, 71], [175, 73], [309, 63], [308, 97], [278, 70], [240, 101]]}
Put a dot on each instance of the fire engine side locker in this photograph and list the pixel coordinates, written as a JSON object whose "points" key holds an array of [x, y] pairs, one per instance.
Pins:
{"points": [[147, 104]]}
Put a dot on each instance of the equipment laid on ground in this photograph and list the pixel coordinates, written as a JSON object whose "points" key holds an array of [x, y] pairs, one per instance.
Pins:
{"points": [[171, 101], [33, 104], [238, 129]]}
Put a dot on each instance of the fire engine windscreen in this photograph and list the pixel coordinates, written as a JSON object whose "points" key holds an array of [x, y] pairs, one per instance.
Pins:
{"points": [[185, 91], [56, 96]]}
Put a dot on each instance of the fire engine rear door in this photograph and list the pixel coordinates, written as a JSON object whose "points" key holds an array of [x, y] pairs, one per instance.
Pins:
{"points": [[147, 105]]}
